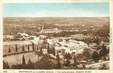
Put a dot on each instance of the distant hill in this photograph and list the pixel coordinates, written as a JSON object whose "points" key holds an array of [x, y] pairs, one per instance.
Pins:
{"points": [[33, 24]]}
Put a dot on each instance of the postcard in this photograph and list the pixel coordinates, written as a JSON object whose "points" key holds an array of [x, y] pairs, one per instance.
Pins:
{"points": [[51, 36]]}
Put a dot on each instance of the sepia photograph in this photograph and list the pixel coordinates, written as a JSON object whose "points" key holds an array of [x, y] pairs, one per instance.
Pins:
{"points": [[57, 36]]}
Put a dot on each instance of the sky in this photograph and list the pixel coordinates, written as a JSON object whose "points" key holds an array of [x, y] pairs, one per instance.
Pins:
{"points": [[21, 1], [56, 10]]}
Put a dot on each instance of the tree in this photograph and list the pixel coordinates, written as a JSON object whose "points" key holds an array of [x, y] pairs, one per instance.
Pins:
{"points": [[45, 63], [23, 48], [16, 47], [23, 60], [95, 56]]}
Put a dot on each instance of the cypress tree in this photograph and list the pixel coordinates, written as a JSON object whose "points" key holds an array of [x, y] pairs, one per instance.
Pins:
{"points": [[28, 47], [23, 60], [7, 65], [23, 48], [16, 47], [4, 65], [58, 62], [33, 46], [29, 62], [9, 50]]}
